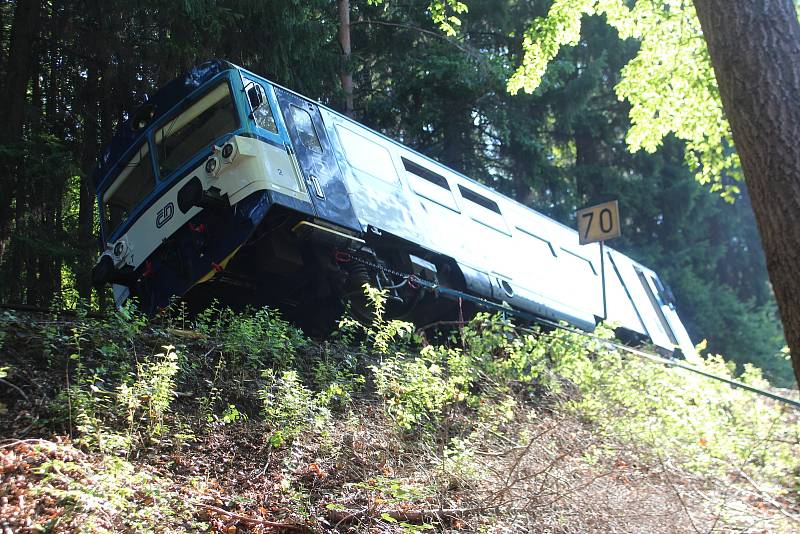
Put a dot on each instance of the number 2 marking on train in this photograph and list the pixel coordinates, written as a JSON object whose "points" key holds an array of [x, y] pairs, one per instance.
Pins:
{"points": [[165, 214]]}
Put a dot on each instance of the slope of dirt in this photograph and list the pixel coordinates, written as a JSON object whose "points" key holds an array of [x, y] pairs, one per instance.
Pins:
{"points": [[539, 469]]}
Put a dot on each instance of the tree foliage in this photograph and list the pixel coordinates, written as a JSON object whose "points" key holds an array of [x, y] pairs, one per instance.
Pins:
{"points": [[669, 84]]}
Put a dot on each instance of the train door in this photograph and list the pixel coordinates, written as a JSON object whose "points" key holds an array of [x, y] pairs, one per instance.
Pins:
{"points": [[316, 160]]}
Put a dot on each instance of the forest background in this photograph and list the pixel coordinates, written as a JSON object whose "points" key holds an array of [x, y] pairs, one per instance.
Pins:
{"points": [[71, 70]]}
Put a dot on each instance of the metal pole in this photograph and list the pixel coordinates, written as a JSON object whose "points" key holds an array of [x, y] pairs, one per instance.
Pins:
{"points": [[603, 279]]}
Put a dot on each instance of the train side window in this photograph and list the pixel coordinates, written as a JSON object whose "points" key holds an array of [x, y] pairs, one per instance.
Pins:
{"points": [[305, 128], [422, 172], [367, 155], [664, 293], [479, 199], [657, 307], [580, 260], [259, 107], [429, 185], [540, 244], [131, 187], [483, 210]]}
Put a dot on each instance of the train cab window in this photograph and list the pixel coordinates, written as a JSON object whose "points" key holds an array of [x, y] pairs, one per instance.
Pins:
{"points": [[366, 155], [260, 109], [208, 119], [133, 184], [479, 199], [264, 118], [305, 129]]}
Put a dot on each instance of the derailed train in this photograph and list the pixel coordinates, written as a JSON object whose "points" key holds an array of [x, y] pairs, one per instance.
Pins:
{"points": [[225, 185]]}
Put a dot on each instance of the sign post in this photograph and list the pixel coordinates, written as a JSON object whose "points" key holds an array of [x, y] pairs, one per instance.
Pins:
{"points": [[599, 223]]}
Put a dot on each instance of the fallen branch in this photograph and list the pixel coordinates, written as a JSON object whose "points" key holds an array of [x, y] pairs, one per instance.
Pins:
{"points": [[499, 453], [49, 444], [186, 334], [407, 516], [766, 496], [293, 527], [17, 389]]}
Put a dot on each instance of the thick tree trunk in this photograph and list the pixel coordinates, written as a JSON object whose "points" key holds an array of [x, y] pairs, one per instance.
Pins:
{"points": [[14, 97], [755, 51], [344, 69], [20, 63]]}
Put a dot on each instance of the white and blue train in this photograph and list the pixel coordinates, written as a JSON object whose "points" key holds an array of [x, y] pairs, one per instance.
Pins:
{"points": [[227, 186]]}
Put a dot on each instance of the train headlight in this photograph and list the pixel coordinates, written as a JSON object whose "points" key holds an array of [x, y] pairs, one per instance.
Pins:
{"points": [[212, 166], [119, 252], [229, 152]]}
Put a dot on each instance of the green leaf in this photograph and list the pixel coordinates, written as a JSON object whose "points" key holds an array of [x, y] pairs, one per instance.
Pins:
{"points": [[389, 519]]}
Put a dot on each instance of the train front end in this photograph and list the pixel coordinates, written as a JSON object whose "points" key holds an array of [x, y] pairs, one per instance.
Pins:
{"points": [[186, 181]]}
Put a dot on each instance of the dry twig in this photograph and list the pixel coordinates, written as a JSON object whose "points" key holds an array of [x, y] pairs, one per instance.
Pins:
{"points": [[407, 516], [293, 527]]}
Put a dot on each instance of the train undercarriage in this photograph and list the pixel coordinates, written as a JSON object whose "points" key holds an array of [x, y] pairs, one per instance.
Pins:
{"points": [[311, 272]]}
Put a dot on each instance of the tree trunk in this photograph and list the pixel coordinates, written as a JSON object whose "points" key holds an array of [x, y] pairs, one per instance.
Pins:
{"points": [[2, 40], [14, 97], [588, 175], [86, 192], [754, 49], [344, 69], [20, 62]]}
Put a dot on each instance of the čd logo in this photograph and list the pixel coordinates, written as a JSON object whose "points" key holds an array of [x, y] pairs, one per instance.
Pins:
{"points": [[165, 214]]}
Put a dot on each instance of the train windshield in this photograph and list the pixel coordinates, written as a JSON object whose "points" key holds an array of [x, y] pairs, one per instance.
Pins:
{"points": [[133, 184], [208, 119]]}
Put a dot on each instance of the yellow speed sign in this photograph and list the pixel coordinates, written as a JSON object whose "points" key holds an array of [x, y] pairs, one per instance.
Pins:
{"points": [[599, 223]]}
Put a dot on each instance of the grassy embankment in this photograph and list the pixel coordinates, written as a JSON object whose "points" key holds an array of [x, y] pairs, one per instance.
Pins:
{"points": [[240, 423]]}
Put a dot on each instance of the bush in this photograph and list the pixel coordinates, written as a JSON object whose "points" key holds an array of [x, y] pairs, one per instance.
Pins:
{"points": [[290, 408], [149, 396], [709, 424], [253, 339], [706, 425]]}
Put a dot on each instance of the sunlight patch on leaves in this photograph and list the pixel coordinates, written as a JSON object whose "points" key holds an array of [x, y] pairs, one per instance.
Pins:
{"points": [[669, 84]]}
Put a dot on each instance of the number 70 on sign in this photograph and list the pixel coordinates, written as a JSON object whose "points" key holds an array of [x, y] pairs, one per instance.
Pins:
{"points": [[599, 223]]}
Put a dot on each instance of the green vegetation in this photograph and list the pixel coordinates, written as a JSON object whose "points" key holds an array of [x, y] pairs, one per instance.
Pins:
{"points": [[109, 495], [706, 424], [489, 385], [669, 84], [290, 407]]}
